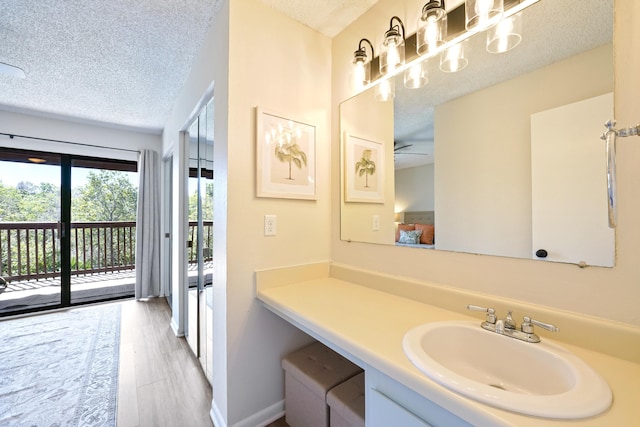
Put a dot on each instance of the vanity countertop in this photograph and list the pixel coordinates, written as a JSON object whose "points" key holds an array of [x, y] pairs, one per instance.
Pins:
{"points": [[367, 326]]}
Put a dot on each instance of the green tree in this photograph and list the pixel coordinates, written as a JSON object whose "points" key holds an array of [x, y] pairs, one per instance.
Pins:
{"points": [[9, 203], [107, 196], [290, 152], [207, 204], [43, 205], [366, 166]]}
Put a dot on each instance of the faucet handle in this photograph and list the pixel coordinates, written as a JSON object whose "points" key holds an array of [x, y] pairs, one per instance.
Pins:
{"points": [[528, 322], [491, 313], [509, 323]]}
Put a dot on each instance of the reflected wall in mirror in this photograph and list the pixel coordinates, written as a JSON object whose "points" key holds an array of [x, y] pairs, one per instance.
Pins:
{"points": [[464, 144]]}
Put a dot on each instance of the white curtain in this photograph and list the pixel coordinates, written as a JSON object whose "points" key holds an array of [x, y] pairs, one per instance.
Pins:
{"points": [[148, 227]]}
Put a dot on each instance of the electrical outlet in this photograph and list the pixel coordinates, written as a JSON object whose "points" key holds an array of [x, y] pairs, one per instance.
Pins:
{"points": [[376, 222], [270, 225]]}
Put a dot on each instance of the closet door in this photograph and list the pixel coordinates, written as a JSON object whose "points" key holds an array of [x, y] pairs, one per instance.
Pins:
{"points": [[193, 242], [200, 239], [206, 205]]}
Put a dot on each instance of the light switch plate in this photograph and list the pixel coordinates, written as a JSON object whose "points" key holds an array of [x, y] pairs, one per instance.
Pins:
{"points": [[376, 222], [270, 225]]}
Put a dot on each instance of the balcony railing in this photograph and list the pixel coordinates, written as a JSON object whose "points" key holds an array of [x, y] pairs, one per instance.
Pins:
{"points": [[31, 250]]}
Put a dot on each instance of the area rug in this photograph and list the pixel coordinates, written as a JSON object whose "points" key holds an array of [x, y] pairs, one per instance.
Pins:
{"points": [[60, 369]]}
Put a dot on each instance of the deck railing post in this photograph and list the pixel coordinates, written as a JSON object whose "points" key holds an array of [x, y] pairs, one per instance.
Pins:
{"points": [[22, 259]]}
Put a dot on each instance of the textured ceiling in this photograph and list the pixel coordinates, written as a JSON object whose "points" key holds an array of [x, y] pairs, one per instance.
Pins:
{"points": [[120, 62]]}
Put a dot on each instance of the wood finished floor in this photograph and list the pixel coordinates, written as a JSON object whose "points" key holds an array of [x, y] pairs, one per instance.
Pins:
{"points": [[161, 382]]}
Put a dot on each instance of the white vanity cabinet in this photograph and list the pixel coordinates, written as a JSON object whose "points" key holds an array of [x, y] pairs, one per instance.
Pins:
{"points": [[346, 317], [386, 412], [382, 397]]}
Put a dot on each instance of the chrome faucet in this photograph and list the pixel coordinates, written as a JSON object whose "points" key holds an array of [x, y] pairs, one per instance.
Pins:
{"points": [[508, 327]]}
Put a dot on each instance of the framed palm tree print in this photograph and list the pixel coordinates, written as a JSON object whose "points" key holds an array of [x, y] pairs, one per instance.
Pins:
{"points": [[364, 170], [285, 157]]}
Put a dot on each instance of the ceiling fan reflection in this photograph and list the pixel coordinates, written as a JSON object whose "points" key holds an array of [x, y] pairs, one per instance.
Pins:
{"points": [[12, 70], [401, 147]]}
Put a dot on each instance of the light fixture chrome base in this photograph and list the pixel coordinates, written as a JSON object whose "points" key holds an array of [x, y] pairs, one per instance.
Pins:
{"points": [[511, 333]]}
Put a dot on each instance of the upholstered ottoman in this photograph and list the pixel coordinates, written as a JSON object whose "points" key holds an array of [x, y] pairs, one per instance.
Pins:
{"points": [[346, 403], [309, 374]]}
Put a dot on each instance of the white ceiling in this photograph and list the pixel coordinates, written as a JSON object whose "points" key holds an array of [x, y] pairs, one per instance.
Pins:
{"points": [[120, 62]]}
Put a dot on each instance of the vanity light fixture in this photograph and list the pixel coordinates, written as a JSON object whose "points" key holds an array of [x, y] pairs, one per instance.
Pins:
{"points": [[482, 14], [386, 90], [505, 35], [362, 67], [432, 39], [453, 59], [416, 76], [432, 27], [392, 48]]}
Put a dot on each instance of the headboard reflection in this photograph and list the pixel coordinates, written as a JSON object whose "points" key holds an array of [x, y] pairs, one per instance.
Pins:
{"points": [[419, 217]]}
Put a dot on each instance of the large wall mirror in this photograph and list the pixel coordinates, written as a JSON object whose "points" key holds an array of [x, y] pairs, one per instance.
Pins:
{"points": [[503, 157]]}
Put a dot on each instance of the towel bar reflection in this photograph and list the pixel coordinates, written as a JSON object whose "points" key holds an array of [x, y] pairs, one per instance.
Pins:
{"points": [[610, 136]]}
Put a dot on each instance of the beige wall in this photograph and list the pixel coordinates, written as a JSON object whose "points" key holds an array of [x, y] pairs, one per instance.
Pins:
{"points": [[487, 209], [280, 65], [607, 293], [415, 188]]}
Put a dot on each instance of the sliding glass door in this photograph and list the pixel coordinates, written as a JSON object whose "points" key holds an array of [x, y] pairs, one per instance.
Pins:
{"points": [[103, 229], [31, 230], [67, 230]]}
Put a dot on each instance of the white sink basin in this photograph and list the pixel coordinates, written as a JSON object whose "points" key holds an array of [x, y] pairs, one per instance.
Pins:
{"points": [[540, 379]]}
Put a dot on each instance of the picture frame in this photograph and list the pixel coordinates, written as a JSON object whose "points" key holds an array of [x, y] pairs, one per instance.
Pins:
{"points": [[363, 170], [285, 157]]}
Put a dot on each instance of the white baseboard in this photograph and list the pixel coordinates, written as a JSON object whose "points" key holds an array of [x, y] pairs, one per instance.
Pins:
{"points": [[216, 416], [175, 329], [259, 419]]}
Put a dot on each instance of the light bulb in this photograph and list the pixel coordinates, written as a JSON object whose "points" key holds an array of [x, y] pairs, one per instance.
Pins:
{"points": [[416, 76], [432, 32], [483, 6], [482, 10], [482, 14], [505, 35], [393, 58], [358, 75], [453, 59], [392, 53], [385, 90]]}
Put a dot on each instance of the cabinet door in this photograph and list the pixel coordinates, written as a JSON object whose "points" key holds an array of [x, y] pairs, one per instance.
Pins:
{"points": [[385, 412]]}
